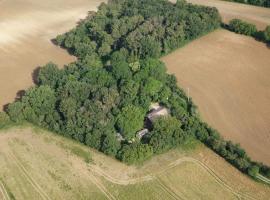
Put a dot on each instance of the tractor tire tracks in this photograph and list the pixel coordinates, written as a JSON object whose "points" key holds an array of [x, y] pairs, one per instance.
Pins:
{"points": [[154, 176], [30, 179]]}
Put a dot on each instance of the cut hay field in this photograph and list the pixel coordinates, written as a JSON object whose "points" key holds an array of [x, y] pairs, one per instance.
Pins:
{"points": [[27, 28], [36, 164], [229, 10], [228, 78]]}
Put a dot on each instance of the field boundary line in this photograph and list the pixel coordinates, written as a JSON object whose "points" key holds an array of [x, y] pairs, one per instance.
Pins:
{"points": [[4, 191], [30, 179]]}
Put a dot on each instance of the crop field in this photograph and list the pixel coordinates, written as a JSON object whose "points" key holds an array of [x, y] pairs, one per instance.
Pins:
{"points": [[229, 10], [228, 78], [27, 28], [36, 164]]}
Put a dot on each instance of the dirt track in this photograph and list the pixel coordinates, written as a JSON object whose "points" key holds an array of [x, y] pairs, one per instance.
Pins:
{"points": [[229, 10], [228, 77], [26, 30], [23, 155]]}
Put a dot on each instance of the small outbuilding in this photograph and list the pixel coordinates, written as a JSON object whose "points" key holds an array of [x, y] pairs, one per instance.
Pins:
{"points": [[119, 137], [142, 133], [156, 112]]}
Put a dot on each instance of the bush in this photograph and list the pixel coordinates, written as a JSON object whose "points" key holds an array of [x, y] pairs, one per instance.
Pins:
{"points": [[262, 3], [241, 27], [267, 34], [135, 153], [4, 120], [253, 171]]}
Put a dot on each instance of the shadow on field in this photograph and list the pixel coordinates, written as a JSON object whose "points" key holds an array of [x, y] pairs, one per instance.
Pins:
{"points": [[18, 97], [35, 75]]}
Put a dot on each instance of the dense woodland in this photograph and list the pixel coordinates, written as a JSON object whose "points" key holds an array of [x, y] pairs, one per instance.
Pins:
{"points": [[109, 89], [262, 3]]}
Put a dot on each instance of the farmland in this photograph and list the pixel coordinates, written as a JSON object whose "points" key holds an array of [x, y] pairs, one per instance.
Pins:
{"points": [[228, 78], [95, 98], [228, 10], [36, 164], [27, 28]]}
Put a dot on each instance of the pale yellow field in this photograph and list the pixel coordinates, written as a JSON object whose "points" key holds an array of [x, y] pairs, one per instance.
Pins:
{"points": [[26, 30], [228, 78], [39, 165]]}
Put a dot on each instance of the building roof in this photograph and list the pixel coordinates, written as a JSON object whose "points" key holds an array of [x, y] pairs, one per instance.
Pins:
{"points": [[158, 112], [141, 133]]}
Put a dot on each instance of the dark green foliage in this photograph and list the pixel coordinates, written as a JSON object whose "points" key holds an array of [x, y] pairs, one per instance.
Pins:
{"points": [[109, 89], [135, 153], [167, 133], [143, 28], [130, 120], [267, 34], [4, 120], [241, 27], [110, 145], [253, 171], [262, 3]]}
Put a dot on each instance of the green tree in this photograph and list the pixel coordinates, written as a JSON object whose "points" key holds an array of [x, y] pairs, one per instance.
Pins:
{"points": [[110, 144], [130, 120], [267, 34], [253, 171], [4, 120], [15, 111], [49, 75]]}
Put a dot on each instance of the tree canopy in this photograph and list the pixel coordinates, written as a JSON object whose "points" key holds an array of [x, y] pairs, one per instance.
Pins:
{"points": [[109, 89]]}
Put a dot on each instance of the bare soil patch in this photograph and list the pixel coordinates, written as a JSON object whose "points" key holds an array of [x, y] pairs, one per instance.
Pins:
{"points": [[27, 28], [229, 10], [228, 78]]}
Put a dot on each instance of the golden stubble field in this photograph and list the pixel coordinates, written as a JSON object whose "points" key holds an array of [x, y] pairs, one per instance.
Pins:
{"points": [[228, 78], [26, 30], [36, 164]]}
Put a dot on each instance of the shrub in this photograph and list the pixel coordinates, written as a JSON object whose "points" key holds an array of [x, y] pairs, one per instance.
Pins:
{"points": [[267, 34], [4, 120], [241, 27], [253, 170]]}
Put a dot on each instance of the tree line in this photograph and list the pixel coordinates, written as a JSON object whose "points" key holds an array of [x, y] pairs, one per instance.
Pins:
{"points": [[262, 3], [109, 89], [241, 27]]}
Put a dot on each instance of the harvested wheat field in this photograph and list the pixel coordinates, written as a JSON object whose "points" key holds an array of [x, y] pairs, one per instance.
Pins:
{"points": [[27, 28], [36, 164], [229, 10], [228, 78]]}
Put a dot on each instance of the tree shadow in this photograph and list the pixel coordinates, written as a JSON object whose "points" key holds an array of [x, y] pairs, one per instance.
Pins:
{"points": [[5, 107], [70, 51], [35, 75], [18, 97]]}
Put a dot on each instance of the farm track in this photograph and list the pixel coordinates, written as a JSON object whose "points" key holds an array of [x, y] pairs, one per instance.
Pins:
{"points": [[101, 187], [264, 179], [168, 190], [30, 179], [3, 190], [174, 164]]}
